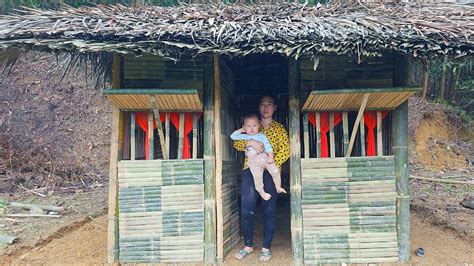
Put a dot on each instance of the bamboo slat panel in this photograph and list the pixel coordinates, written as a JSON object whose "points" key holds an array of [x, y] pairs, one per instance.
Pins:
{"points": [[230, 204], [342, 72], [161, 211], [155, 71], [166, 102], [349, 212], [351, 100]]}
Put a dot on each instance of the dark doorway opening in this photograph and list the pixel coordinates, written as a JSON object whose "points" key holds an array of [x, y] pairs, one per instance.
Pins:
{"points": [[254, 77]]}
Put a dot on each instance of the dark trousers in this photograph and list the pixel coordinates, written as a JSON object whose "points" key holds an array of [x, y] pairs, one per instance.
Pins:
{"points": [[248, 201]]}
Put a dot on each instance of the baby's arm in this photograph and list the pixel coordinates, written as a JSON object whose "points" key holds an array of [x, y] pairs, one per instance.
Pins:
{"points": [[266, 143], [237, 135]]}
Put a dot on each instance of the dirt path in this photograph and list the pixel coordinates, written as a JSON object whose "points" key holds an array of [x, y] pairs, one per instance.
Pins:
{"points": [[87, 245]]}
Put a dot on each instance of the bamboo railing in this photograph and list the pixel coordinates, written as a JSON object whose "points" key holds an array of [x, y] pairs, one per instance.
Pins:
{"points": [[312, 141], [164, 136]]}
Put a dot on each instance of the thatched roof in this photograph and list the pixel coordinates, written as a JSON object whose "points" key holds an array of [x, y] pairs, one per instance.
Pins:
{"points": [[290, 29]]}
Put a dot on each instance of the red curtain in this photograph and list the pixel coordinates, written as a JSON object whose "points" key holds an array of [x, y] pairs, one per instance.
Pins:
{"points": [[324, 123], [370, 121], [188, 127], [142, 121]]}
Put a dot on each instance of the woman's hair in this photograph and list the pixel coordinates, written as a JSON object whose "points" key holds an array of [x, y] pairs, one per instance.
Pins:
{"points": [[269, 96]]}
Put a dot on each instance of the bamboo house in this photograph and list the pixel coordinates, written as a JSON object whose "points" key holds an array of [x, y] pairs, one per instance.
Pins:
{"points": [[182, 76]]}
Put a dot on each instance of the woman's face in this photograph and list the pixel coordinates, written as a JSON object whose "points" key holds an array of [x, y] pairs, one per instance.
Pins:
{"points": [[267, 107]]}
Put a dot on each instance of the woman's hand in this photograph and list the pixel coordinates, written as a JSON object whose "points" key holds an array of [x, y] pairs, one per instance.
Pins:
{"points": [[257, 145]]}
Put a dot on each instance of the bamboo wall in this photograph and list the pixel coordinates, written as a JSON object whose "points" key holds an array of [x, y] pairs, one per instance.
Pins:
{"points": [[161, 211], [349, 212], [231, 169], [151, 71], [333, 72]]}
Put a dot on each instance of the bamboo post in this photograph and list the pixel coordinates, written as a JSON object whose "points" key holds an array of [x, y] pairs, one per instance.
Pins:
{"points": [[379, 134], [356, 124], [150, 137], [132, 136], [318, 135], [295, 162], [209, 165], [117, 75], [116, 146], [400, 153], [306, 135], [181, 136], [331, 135], [159, 127], [195, 132], [362, 136], [167, 132], [345, 131], [218, 148], [112, 231]]}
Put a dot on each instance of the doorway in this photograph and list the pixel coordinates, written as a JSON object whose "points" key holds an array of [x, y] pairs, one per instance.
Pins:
{"points": [[255, 76]]}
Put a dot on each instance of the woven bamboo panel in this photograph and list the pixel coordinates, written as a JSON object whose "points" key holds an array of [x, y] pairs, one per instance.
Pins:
{"points": [[230, 204], [334, 72], [351, 100], [154, 71], [161, 211], [166, 102], [349, 212]]}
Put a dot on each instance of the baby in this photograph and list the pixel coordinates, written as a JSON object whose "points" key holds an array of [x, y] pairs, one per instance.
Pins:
{"points": [[258, 161]]}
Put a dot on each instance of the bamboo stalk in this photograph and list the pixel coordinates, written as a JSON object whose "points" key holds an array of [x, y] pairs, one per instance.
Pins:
{"points": [[195, 132], [345, 130], [112, 231], [362, 137], [209, 165], [132, 136], [425, 78], [159, 127], [28, 215], [181, 136], [30, 206], [400, 152], [379, 134], [295, 161], [218, 152], [306, 135], [150, 137], [356, 124], [331, 135], [4, 239], [167, 134], [318, 135], [439, 180]]}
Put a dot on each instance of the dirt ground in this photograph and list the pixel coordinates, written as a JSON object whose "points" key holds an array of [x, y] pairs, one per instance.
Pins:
{"points": [[86, 244]]}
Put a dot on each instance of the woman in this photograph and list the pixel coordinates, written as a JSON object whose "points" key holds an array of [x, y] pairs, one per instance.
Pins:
{"points": [[278, 137]]}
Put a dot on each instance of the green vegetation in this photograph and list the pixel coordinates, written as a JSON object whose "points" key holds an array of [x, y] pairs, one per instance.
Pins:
{"points": [[451, 82]]}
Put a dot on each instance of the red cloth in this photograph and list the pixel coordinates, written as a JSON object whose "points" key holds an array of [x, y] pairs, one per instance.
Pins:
{"points": [[188, 127], [370, 121], [142, 121], [324, 123]]}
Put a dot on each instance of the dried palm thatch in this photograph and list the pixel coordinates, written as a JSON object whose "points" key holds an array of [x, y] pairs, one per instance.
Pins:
{"points": [[424, 30]]}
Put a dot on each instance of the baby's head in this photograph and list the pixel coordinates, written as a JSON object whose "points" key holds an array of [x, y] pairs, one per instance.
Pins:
{"points": [[251, 124]]}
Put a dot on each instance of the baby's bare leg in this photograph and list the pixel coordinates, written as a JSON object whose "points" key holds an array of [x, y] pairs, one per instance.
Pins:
{"points": [[257, 173], [275, 173]]}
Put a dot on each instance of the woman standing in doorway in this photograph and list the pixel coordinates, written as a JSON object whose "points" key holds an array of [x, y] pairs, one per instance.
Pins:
{"points": [[278, 137]]}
